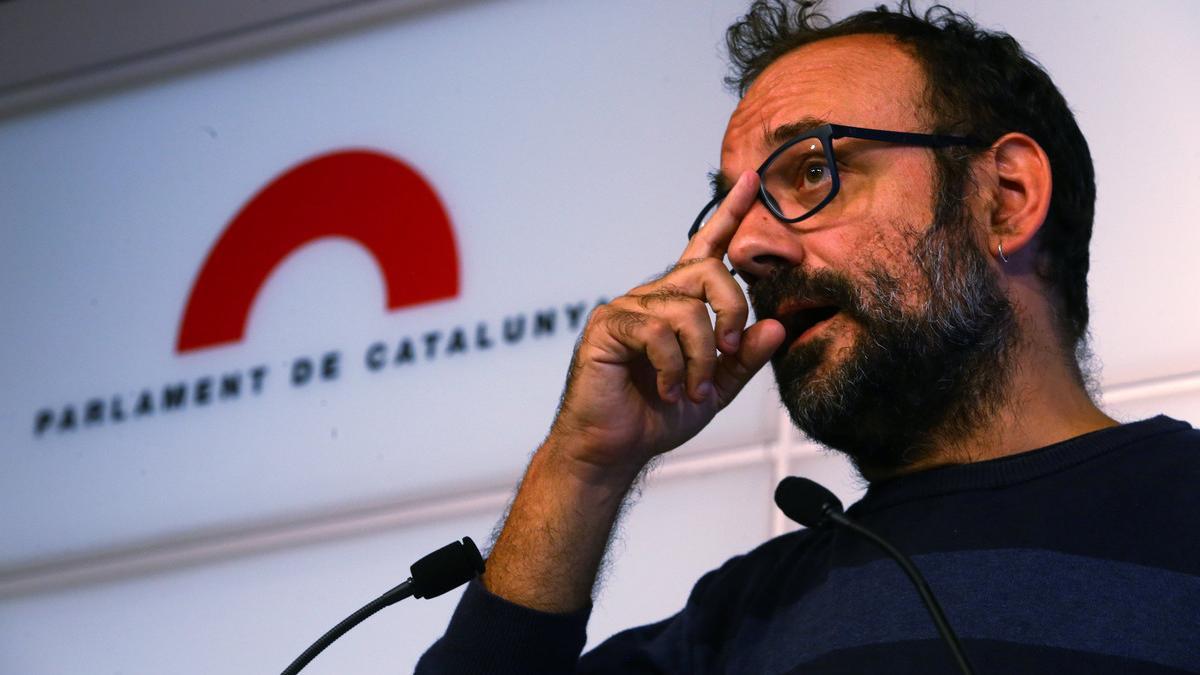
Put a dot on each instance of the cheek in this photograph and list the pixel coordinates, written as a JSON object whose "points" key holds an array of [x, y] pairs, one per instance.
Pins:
{"points": [[902, 192], [887, 271], [880, 231], [884, 224]]}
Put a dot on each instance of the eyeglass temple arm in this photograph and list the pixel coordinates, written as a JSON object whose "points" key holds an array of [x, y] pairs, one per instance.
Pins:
{"points": [[903, 137], [703, 212]]}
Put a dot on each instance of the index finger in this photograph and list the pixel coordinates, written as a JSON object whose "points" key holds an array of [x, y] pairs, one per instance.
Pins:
{"points": [[712, 241]]}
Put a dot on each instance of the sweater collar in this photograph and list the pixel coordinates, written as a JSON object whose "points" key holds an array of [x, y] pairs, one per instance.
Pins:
{"points": [[1004, 471]]}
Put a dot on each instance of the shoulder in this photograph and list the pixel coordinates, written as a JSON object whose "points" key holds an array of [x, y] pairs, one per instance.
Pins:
{"points": [[1148, 499], [741, 578], [1166, 449], [743, 586], [769, 554]]}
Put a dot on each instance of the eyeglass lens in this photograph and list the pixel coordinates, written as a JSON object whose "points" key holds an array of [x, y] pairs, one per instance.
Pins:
{"points": [[797, 181]]}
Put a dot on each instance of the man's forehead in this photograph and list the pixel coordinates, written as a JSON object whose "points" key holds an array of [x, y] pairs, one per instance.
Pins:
{"points": [[858, 80]]}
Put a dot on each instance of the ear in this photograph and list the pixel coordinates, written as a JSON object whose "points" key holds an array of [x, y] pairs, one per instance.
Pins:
{"points": [[1023, 185]]}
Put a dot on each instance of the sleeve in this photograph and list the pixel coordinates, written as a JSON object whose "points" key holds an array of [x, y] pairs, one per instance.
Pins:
{"points": [[701, 637], [688, 642], [488, 634]]}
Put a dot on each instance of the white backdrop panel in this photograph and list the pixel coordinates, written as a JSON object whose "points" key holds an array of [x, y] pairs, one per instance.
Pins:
{"points": [[1182, 404], [569, 143], [681, 528], [1132, 77], [213, 619]]}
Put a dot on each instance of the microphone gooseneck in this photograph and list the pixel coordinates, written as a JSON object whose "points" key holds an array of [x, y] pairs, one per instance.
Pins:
{"points": [[814, 506], [443, 570]]}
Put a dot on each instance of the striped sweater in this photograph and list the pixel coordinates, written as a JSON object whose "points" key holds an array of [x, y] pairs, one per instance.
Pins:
{"points": [[1080, 557]]}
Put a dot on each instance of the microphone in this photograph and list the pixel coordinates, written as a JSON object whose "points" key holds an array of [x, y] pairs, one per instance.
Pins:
{"points": [[805, 501], [443, 570], [814, 506]]}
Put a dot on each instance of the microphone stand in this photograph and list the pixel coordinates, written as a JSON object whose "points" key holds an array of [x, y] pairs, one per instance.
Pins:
{"points": [[443, 570], [931, 603], [393, 596], [814, 506]]}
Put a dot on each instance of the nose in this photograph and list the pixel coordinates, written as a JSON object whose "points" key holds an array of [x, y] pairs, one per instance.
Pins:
{"points": [[762, 245]]}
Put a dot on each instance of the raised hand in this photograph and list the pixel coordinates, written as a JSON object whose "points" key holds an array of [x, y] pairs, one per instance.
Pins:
{"points": [[646, 375]]}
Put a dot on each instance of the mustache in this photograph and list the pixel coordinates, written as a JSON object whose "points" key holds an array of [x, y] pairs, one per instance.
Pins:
{"points": [[798, 285]]}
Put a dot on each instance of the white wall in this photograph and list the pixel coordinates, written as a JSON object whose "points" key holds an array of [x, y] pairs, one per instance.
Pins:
{"points": [[569, 142]]}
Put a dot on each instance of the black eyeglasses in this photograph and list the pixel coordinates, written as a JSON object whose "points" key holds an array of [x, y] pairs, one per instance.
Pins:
{"points": [[801, 177]]}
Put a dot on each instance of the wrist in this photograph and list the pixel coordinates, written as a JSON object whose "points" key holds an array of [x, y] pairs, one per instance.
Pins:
{"points": [[568, 461], [556, 532]]}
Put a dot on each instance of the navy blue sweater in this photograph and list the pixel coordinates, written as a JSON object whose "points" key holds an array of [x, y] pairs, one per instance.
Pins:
{"points": [[1081, 557]]}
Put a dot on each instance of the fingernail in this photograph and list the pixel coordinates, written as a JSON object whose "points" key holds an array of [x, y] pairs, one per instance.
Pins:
{"points": [[704, 390], [732, 338], [673, 393]]}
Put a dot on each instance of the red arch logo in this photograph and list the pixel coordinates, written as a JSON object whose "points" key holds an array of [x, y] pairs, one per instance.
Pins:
{"points": [[373, 199]]}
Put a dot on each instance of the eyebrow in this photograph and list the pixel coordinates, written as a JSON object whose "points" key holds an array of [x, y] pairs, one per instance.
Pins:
{"points": [[786, 132], [721, 184]]}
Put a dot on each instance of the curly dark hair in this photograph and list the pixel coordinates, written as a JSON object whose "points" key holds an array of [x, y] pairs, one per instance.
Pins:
{"points": [[979, 83]]}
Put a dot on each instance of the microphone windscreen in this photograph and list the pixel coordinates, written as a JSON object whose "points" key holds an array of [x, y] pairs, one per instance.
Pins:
{"points": [[445, 569], [804, 501]]}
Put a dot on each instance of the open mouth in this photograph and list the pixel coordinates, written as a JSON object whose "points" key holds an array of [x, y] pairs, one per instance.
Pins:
{"points": [[802, 321]]}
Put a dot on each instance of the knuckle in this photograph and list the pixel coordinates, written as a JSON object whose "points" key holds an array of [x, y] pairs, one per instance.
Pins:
{"points": [[665, 357], [737, 311], [703, 348], [671, 363], [687, 263], [598, 320], [704, 360], [730, 303], [623, 323], [698, 337], [705, 266], [658, 328], [663, 294]]}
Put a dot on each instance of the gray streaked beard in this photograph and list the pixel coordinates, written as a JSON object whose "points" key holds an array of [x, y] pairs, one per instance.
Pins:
{"points": [[916, 380]]}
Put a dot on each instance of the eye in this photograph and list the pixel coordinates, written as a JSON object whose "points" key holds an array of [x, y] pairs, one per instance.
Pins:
{"points": [[814, 173]]}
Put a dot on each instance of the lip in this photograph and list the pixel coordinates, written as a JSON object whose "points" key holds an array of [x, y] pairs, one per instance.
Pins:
{"points": [[789, 307], [803, 320], [813, 329]]}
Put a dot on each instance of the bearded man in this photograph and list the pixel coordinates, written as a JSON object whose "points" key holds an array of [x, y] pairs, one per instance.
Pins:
{"points": [[909, 201]]}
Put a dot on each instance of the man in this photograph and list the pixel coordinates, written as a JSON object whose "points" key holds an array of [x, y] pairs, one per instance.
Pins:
{"points": [[909, 201]]}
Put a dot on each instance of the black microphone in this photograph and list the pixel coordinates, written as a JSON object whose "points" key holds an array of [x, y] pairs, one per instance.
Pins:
{"points": [[814, 506], [443, 570]]}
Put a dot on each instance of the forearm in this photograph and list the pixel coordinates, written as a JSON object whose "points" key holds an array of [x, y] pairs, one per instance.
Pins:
{"points": [[646, 376], [554, 539]]}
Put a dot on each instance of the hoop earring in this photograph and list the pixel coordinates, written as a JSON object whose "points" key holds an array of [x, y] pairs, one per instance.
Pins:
{"points": [[1000, 251]]}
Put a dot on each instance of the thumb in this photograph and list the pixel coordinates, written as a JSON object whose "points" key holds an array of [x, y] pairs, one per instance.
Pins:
{"points": [[734, 370]]}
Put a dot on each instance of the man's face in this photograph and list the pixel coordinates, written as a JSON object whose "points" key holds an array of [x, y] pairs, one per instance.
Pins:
{"points": [[897, 329]]}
